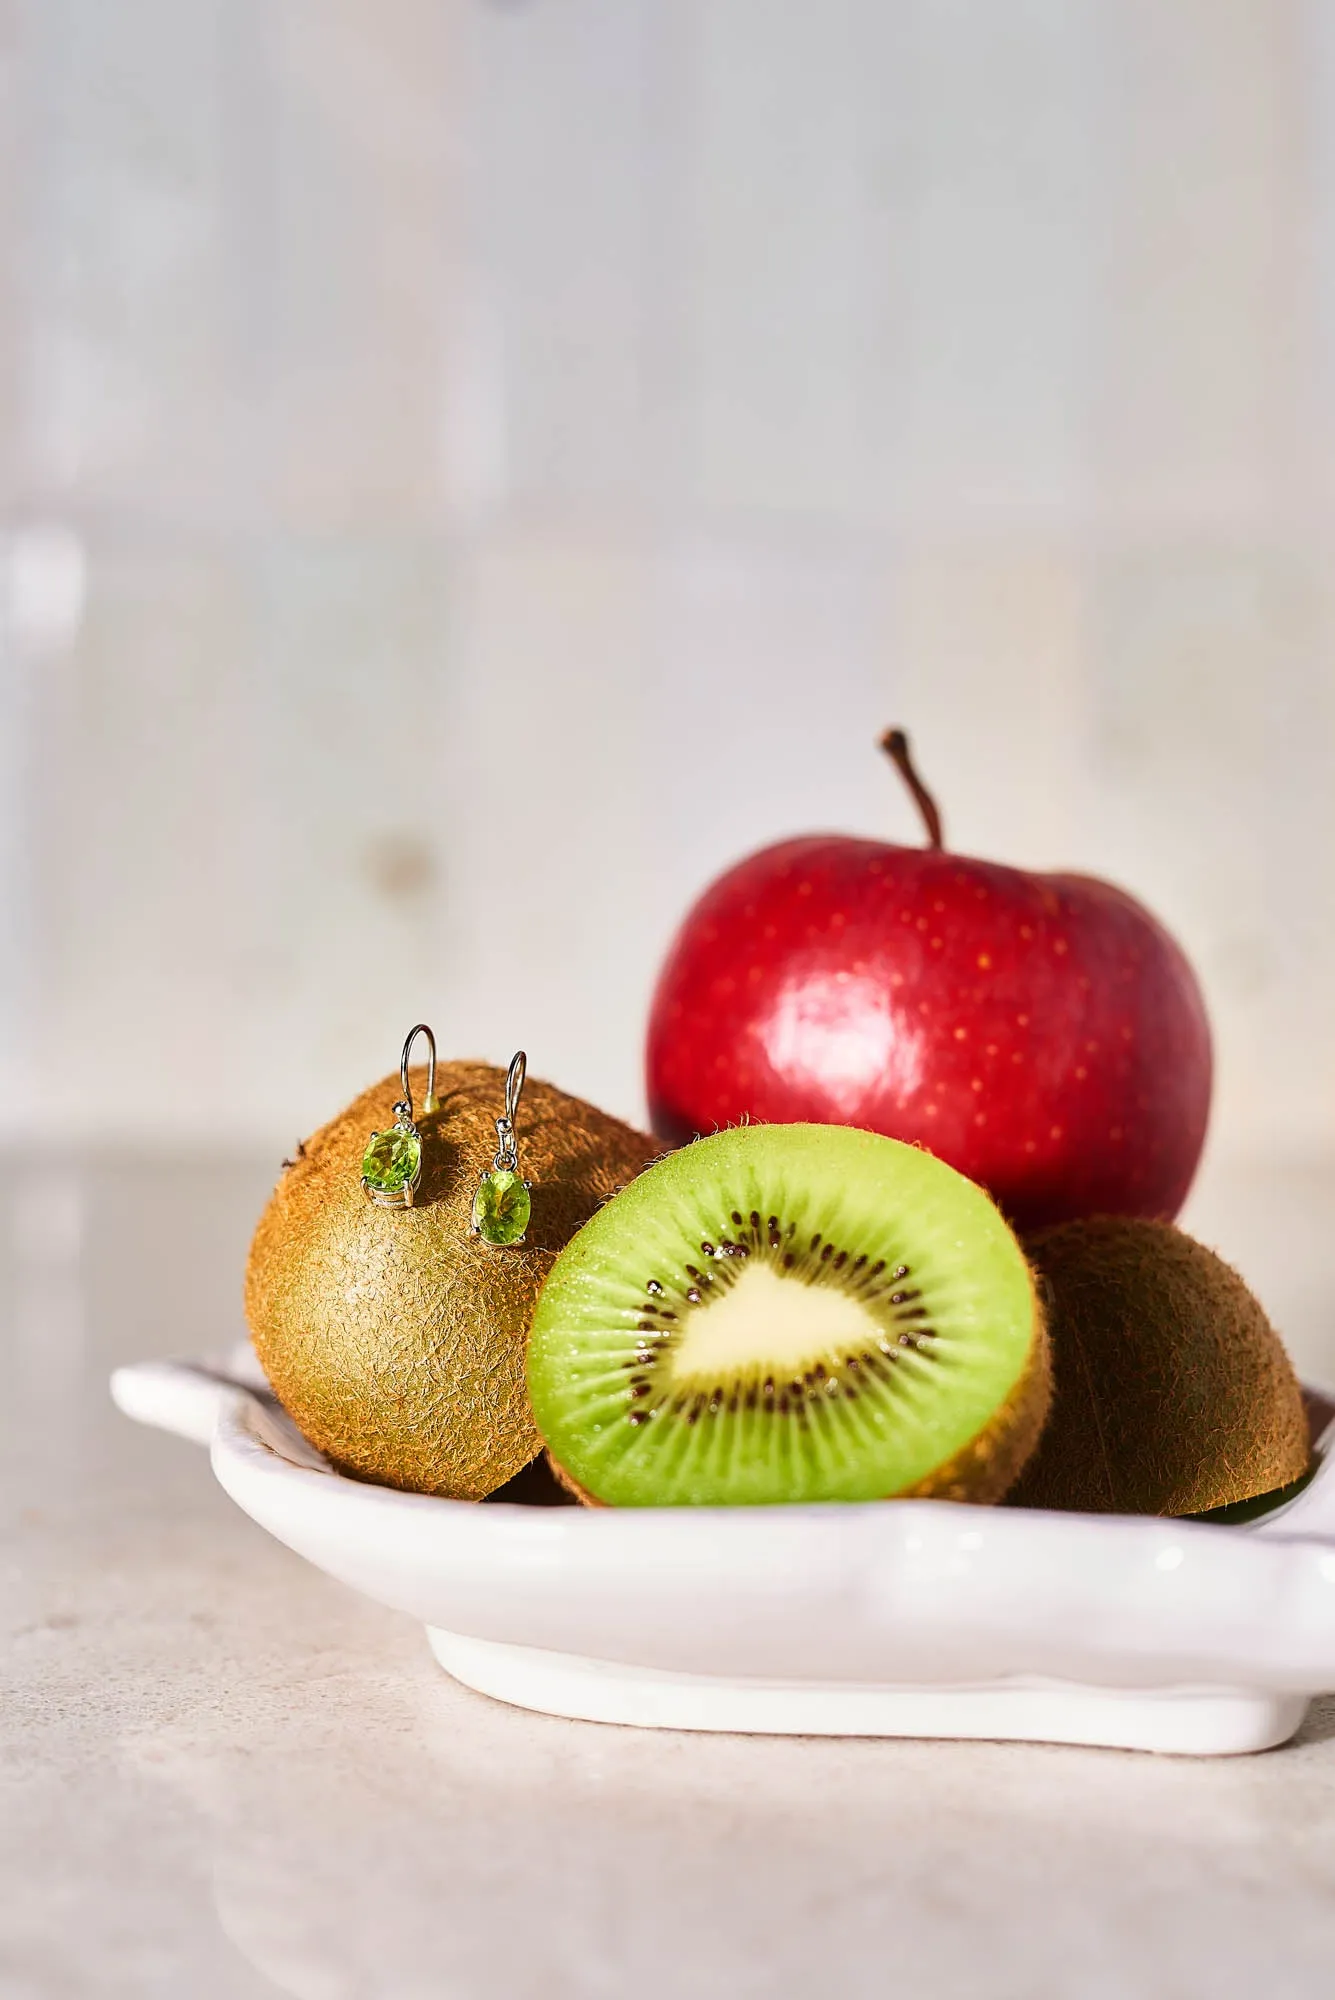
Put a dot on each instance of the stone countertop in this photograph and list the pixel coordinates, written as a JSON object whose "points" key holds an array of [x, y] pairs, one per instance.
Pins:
{"points": [[223, 1776]]}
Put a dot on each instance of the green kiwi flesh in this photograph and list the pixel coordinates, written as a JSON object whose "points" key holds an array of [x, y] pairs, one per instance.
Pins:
{"points": [[790, 1313], [1172, 1391]]}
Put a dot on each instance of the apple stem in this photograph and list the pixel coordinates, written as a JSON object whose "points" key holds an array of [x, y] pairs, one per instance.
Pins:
{"points": [[895, 744]]}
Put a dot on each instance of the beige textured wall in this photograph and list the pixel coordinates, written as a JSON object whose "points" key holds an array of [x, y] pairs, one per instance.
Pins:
{"points": [[468, 471]]}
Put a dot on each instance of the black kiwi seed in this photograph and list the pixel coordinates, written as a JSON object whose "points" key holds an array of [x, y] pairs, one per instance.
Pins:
{"points": [[706, 1250], [694, 1295], [900, 1271], [654, 1287]]}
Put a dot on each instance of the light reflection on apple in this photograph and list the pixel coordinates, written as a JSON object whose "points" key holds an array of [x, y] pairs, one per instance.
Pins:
{"points": [[826, 1031]]}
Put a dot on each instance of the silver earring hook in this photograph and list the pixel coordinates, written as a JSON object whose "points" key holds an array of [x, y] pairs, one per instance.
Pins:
{"points": [[506, 1153], [514, 1083], [430, 1102]]}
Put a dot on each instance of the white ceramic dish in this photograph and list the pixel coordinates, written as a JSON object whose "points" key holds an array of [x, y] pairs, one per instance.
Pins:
{"points": [[911, 1618]]}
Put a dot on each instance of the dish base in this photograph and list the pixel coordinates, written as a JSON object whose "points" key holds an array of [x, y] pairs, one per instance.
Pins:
{"points": [[1191, 1722]]}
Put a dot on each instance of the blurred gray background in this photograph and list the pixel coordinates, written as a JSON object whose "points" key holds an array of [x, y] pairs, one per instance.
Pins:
{"points": [[470, 471]]}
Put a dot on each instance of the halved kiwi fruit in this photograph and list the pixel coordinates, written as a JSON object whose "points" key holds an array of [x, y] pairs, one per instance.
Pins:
{"points": [[787, 1313]]}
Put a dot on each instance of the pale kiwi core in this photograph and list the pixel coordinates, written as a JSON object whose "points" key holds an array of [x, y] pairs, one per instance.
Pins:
{"points": [[767, 1321]]}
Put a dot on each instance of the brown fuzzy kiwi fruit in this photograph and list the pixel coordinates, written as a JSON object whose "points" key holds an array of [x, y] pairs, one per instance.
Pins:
{"points": [[1172, 1391], [395, 1341]]}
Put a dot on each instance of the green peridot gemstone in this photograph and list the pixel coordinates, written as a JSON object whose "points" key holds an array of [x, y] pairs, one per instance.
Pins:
{"points": [[391, 1160], [501, 1207]]}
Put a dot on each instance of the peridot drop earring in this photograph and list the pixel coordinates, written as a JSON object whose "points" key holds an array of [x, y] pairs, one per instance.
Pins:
{"points": [[501, 1206], [392, 1162]]}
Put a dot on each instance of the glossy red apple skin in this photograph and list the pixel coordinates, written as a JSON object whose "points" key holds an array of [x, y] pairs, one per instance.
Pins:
{"points": [[1042, 1033]]}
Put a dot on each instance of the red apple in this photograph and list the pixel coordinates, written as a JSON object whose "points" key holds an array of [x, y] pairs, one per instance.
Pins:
{"points": [[1042, 1033]]}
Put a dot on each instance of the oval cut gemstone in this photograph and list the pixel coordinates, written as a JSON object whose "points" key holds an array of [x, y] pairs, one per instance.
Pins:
{"points": [[501, 1206], [392, 1160]]}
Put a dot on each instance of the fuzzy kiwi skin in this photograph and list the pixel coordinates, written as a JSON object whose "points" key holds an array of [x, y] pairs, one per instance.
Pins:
{"points": [[1172, 1391], [984, 1470], [392, 1339]]}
